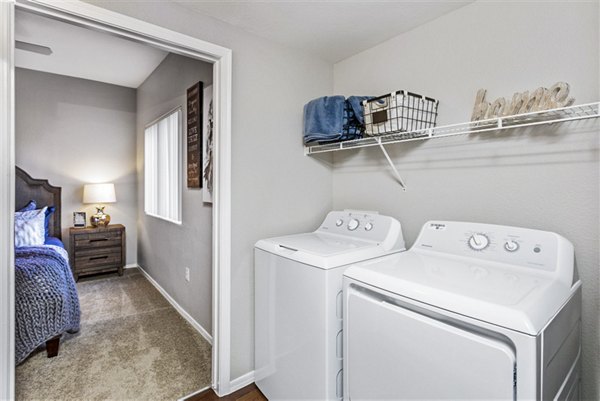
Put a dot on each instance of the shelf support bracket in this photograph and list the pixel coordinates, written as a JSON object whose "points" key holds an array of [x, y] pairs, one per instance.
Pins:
{"points": [[394, 170]]}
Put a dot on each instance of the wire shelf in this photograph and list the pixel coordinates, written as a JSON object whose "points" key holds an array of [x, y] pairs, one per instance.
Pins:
{"points": [[572, 113]]}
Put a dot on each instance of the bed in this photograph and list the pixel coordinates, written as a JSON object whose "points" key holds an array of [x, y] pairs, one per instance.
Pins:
{"points": [[46, 300]]}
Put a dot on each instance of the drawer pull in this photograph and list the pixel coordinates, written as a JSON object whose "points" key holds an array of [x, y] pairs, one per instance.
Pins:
{"points": [[98, 239], [99, 257]]}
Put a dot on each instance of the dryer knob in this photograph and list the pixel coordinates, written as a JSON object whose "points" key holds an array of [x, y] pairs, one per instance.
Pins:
{"points": [[339, 222], [479, 241], [511, 246], [368, 226], [353, 224]]}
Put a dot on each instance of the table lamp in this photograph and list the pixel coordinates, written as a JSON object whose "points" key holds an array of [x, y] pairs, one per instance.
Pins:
{"points": [[99, 194]]}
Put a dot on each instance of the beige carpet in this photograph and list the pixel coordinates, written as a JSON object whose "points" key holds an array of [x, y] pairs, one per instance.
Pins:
{"points": [[132, 346]]}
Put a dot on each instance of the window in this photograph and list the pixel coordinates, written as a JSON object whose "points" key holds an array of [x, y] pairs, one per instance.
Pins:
{"points": [[162, 171]]}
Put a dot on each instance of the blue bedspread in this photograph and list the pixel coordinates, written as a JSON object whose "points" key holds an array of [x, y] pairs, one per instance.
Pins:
{"points": [[46, 300]]}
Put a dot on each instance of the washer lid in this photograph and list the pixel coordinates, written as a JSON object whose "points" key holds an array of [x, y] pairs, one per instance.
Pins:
{"points": [[323, 250], [496, 293]]}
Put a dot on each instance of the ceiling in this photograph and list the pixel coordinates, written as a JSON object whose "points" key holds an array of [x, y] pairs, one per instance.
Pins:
{"points": [[331, 29], [83, 53]]}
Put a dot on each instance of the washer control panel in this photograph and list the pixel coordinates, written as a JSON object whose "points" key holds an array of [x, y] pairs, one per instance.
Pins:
{"points": [[363, 225], [536, 249]]}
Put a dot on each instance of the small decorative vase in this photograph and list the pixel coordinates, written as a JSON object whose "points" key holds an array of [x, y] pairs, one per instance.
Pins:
{"points": [[100, 218]]}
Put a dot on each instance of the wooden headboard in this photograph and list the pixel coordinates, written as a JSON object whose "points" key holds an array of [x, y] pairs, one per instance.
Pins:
{"points": [[44, 194]]}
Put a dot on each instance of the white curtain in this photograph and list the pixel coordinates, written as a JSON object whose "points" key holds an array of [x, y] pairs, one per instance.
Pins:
{"points": [[162, 168]]}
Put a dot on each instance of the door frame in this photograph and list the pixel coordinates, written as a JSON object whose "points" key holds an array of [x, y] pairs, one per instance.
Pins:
{"points": [[93, 17]]}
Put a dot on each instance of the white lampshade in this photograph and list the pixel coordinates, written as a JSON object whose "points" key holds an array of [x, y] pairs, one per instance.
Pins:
{"points": [[99, 193]]}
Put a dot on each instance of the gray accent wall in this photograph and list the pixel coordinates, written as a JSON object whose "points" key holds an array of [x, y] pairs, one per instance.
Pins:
{"points": [[545, 178], [166, 249], [73, 131]]}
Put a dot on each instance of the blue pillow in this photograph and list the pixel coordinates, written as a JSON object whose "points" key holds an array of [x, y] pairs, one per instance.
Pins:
{"points": [[54, 241], [31, 205], [49, 212]]}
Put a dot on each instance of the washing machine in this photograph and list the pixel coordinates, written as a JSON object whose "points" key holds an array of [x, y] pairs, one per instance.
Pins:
{"points": [[470, 312], [298, 302]]}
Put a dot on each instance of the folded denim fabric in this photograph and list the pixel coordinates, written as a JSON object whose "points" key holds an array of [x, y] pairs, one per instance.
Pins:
{"points": [[333, 119], [356, 104], [321, 139]]}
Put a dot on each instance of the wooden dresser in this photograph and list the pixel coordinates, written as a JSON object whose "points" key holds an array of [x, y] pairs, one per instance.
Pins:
{"points": [[97, 250]]}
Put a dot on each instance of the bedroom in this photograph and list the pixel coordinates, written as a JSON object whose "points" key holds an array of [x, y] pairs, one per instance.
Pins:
{"points": [[547, 181], [81, 117]]}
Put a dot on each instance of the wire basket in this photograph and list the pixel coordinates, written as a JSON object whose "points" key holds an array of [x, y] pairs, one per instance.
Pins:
{"points": [[401, 111]]}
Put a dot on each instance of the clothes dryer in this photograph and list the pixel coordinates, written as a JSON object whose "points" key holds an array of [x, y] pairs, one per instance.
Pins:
{"points": [[470, 312], [298, 302]]}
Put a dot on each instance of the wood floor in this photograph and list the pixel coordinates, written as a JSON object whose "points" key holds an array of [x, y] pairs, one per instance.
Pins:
{"points": [[248, 393]]}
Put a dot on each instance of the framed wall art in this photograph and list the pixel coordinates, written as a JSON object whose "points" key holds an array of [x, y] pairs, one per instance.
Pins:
{"points": [[194, 132]]}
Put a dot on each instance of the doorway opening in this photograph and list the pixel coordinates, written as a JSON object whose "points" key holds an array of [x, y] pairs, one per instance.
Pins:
{"points": [[178, 47]]}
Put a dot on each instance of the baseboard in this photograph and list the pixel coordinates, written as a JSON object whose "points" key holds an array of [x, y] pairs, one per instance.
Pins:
{"points": [[175, 305], [132, 266], [241, 381]]}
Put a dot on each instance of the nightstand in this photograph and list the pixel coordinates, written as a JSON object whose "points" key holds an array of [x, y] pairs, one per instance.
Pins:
{"points": [[97, 250]]}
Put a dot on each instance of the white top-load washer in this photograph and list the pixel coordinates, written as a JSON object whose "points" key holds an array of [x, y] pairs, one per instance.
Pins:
{"points": [[298, 302], [471, 311]]}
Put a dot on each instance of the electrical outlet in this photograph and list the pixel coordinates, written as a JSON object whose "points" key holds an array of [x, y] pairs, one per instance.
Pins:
{"points": [[187, 274]]}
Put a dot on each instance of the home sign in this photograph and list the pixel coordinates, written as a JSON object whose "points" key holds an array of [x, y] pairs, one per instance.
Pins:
{"points": [[540, 99]]}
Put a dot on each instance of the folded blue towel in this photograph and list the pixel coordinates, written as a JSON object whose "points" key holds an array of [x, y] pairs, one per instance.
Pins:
{"points": [[324, 118]]}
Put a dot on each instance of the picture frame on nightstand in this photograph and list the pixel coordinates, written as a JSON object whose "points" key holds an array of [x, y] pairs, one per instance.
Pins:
{"points": [[79, 219]]}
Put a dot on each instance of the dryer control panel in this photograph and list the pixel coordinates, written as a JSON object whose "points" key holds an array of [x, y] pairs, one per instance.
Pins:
{"points": [[364, 225], [541, 250]]}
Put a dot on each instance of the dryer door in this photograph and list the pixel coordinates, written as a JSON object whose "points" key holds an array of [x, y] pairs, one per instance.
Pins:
{"points": [[397, 354]]}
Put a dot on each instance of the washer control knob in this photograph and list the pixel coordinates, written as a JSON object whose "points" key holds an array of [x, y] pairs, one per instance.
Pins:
{"points": [[339, 222], [511, 246], [368, 226], [353, 224], [479, 241]]}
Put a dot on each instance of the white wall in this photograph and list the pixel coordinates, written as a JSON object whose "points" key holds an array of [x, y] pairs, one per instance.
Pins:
{"points": [[545, 178], [166, 249], [276, 189], [74, 131]]}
